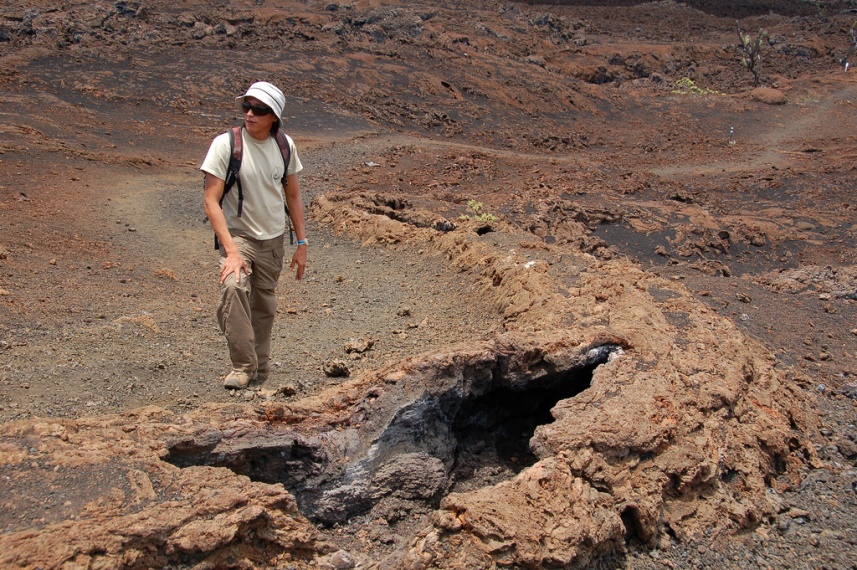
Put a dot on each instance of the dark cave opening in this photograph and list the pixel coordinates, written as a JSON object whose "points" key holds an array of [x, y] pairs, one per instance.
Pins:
{"points": [[474, 435], [633, 527], [493, 431]]}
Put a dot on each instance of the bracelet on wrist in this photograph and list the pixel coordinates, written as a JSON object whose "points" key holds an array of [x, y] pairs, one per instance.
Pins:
{"points": [[302, 242]]}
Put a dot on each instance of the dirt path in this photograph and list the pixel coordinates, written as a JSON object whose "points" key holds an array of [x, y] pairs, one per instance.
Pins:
{"points": [[147, 333], [790, 134]]}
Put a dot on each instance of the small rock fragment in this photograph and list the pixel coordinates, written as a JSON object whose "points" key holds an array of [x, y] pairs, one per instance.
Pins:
{"points": [[341, 560], [359, 345], [335, 368]]}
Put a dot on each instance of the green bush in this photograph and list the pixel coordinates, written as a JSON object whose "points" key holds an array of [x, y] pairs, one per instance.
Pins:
{"points": [[478, 214], [686, 86]]}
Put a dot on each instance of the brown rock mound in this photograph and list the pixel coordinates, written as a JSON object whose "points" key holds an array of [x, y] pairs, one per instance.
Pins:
{"points": [[664, 421], [768, 96]]}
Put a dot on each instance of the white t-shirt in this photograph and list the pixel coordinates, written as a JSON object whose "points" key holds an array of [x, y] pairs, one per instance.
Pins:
{"points": [[261, 174]]}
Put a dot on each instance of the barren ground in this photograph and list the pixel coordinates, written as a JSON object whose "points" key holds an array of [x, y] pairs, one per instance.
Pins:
{"points": [[576, 129]]}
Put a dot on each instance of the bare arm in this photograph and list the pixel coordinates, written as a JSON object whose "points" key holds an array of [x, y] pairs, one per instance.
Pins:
{"points": [[235, 262], [296, 212]]}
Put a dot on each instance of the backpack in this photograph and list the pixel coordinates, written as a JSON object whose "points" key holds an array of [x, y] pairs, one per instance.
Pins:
{"points": [[236, 148]]}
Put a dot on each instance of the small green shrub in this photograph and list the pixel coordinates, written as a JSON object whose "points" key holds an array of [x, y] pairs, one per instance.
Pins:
{"points": [[686, 86], [478, 214]]}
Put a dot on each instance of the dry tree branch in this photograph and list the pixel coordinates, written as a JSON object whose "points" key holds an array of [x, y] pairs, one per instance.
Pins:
{"points": [[752, 56]]}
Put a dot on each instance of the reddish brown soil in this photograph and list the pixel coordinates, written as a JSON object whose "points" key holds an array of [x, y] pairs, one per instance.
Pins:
{"points": [[604, 128]]}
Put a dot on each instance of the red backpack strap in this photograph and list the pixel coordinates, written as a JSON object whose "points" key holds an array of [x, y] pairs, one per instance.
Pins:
{"points": [[286, 151], [237, 143], [236, 147]]}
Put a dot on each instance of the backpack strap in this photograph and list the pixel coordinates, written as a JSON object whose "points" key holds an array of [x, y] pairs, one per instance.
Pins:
{"points": [[286, 151], [283, 143], [236, 148]]}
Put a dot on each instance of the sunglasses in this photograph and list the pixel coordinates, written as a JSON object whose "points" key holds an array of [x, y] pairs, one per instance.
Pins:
{"points": [[258, 110]]}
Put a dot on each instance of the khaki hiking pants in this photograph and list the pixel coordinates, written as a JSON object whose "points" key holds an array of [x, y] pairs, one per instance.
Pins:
{"points": [[247, 309]]}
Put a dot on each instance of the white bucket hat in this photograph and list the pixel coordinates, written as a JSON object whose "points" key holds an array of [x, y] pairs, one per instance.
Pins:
{"points": [[268, 94]]}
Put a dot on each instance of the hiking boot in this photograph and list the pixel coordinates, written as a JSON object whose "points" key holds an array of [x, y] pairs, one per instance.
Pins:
{"points": [[236, 380], [262, 376]]}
